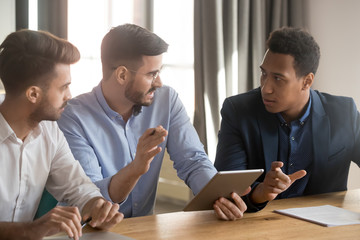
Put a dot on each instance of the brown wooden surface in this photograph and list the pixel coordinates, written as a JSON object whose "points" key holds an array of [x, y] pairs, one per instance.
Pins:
{"points": [[261, 225]]}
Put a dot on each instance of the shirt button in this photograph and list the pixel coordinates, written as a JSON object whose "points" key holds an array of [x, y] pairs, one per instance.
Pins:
{"points": [[292, 138]]}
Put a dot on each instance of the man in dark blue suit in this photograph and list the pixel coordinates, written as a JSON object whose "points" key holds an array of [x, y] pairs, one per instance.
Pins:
{"points": [[304, 139]]}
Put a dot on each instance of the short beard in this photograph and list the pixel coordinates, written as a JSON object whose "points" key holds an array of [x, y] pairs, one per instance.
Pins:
{"points": [[136, 97]]}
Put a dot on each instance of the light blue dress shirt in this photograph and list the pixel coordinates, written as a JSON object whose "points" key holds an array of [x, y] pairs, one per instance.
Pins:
{"points": [[103, 144]]}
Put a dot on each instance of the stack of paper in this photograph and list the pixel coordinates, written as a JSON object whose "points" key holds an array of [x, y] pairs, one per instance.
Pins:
{"points": [[326, 215]]}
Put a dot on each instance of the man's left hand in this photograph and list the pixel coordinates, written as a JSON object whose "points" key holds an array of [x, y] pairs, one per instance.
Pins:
{"points": [[231, 210], [104, 214]]}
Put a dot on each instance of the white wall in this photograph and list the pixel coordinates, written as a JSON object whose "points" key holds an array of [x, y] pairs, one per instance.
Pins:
{"points": [[7, 18], [7, 22], [335, 26]]}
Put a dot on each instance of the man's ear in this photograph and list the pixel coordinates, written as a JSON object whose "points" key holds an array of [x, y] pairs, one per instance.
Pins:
{"points": [[34, 94], [120, 74], [308, 81]]}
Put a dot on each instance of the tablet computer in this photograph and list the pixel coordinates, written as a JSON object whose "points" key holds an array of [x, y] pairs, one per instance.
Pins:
{"points": [[222, 185]]}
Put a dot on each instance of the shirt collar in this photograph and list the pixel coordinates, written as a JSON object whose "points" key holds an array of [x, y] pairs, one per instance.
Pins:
{"points": [[302, 119], [6, 131], [101, 99]]}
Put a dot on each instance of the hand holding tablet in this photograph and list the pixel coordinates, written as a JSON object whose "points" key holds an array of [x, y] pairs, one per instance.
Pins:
{"points": [[222, 185]]}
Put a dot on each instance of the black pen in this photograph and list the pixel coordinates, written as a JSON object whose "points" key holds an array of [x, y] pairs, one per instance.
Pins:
{"points": [[153, 132], [83, 224]]}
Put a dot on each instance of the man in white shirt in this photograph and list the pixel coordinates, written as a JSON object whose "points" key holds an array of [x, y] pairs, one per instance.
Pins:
{"points": [[35, 71]]}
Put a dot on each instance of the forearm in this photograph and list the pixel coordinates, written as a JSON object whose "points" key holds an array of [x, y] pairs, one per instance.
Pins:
{"points": [[18, 231], [123, 182], [257, 196]]}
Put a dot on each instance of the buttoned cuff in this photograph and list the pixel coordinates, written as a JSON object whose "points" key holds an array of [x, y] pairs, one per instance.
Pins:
{"points": [[253, 207]]}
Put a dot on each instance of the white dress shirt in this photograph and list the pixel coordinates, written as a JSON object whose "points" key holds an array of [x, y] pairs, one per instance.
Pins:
{"points": [[43, 159]]}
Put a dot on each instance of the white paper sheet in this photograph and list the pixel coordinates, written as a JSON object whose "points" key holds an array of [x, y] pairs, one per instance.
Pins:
{"points": [[325, 215], [93, 236]]}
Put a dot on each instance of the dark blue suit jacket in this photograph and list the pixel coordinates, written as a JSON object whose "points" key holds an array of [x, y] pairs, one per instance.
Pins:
{"points": [[248, 138]]}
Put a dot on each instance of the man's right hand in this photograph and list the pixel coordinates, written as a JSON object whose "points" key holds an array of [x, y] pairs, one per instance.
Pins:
{"points": [[275, 182], [147, 148], [59, 219], [124, 181]]}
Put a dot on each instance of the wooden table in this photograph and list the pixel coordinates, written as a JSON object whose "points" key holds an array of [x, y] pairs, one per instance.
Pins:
{"points": [[261, 225]]}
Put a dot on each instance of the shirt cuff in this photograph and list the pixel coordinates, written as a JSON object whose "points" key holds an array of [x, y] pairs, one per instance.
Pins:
{"points": [[103, 185], [253, 207]]}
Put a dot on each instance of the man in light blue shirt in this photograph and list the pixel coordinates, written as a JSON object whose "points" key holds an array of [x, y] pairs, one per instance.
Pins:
{"points": [[120, 130]]}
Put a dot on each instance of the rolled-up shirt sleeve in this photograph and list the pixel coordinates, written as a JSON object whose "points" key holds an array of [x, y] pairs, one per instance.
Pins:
{"points": [[190, 160], [84, 153]]}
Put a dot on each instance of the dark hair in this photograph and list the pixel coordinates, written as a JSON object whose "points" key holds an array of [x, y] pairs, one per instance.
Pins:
{"points": [[28, 57], [126, 44], [298, 43]]}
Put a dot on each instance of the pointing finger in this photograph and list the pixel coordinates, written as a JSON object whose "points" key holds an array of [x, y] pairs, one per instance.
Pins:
{"points": [[297, 175]]}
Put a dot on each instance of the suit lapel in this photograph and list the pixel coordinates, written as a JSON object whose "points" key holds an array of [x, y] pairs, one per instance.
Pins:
{"points": [[269, 136], [321, 138]]}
